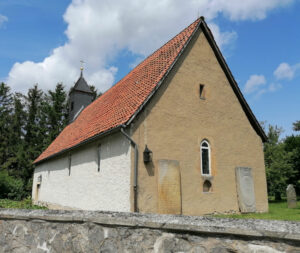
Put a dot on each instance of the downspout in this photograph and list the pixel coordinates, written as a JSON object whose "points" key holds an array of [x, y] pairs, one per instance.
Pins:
{"points": [[135, 209]]}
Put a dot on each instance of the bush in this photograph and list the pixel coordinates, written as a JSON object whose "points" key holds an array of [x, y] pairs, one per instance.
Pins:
{"points": [[11, 187]]}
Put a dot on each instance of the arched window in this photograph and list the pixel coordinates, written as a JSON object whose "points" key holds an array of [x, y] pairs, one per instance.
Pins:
{"points": [[205, 158]]}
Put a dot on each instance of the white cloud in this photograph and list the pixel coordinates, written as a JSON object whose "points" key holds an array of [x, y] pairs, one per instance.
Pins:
{"points": [[274, 87], [254, 83], [271, 88], [97, 31], [3, 19], [246, 9], [286, 71], [222, 38]]}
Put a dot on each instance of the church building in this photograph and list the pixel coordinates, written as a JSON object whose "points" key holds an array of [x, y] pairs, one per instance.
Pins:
{"points": [[173, 136]]}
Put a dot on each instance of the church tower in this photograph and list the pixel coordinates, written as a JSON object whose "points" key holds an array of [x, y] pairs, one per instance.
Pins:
{"points": [[80, 97]]}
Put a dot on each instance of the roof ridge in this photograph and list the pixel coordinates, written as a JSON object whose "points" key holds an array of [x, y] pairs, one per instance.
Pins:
{"points": [[162, 46], [198, 19]]}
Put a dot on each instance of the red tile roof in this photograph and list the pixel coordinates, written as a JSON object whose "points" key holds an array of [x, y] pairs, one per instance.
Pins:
{"points": [[116, 106]]}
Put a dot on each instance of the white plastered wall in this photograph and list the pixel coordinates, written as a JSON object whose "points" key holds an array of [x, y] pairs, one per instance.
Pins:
{"points": [[86, 188]]}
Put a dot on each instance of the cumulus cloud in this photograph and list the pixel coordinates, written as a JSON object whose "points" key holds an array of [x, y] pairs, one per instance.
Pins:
{"points": [[245, 10], [274, 87], [97, 31], [254, 83], [222, 38], [257, 83], [3, 19], [270, 88], [286, 71]]}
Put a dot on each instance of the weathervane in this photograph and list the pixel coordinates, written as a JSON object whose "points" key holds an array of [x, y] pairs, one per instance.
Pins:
{"points": [[81, 66]]}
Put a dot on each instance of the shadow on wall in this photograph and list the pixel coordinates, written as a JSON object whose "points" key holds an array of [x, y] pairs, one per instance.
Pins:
{"points": [[150, 169]]}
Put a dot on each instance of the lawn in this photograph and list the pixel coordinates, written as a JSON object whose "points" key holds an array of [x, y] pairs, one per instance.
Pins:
{"points": [[277, 211], [23, 204]]}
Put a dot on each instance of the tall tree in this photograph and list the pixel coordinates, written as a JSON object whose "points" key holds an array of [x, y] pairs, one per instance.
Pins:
{"points": [[55, 108], [278, 163], [292, 146], [14, 162], [35, 129], [6, 102]]}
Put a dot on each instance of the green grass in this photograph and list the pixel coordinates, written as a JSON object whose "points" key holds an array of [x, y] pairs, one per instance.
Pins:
{"points": [[23, 204], [277, 211]]}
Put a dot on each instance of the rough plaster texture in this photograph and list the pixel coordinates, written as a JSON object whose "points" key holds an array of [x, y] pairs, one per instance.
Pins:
{"points": [[176, 121], [86, 188], [84, 231]]}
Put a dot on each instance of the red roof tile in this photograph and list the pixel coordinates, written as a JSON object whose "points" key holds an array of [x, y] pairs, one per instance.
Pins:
{"points": [[116, 106]]}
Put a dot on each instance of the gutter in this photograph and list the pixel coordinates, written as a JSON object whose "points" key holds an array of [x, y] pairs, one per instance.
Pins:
{"points": [[135, 209]]}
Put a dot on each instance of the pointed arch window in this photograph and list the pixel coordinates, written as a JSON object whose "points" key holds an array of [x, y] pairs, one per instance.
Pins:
{"points": [[205, 158]]}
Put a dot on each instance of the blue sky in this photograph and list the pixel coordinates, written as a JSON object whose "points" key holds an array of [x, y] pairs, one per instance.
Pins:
{"points": [[43, 42]]}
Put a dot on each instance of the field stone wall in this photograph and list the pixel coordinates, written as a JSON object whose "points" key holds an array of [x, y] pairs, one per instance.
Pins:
{"points": [[87, 231]]}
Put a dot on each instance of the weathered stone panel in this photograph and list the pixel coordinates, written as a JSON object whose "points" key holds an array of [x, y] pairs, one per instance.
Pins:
{"points": [[245, 189], [169, 187]]}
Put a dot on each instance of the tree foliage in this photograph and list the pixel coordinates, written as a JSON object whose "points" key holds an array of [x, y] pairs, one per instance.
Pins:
{"points": [[28, 124], [55, 112], [281, 160], [296, 125], [6, 101]]}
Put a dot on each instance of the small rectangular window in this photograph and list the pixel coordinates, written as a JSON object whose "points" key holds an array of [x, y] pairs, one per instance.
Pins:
{"points": [[201, 91], [99, 156], [70, 163]]}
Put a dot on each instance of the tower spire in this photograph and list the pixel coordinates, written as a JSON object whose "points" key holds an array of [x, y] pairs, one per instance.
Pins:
{"points": [[81, 67]]}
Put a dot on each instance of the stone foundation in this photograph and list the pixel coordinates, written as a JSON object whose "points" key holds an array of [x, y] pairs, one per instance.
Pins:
{"points": [[82, 231]]}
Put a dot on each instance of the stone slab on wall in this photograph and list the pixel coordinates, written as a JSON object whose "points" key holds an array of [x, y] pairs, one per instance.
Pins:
{"points": [[291, 196], [245, 189], [83, 231], [169, 187]]}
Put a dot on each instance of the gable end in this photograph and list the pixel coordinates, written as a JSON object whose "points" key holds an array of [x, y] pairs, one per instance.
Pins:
{"points": [[251, 117]]}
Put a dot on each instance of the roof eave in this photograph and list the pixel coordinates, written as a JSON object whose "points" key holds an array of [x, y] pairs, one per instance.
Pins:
{"points": [[87, 141]]}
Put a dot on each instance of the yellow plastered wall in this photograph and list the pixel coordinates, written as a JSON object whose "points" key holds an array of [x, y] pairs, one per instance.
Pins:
{"points": [[175, 122]]}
